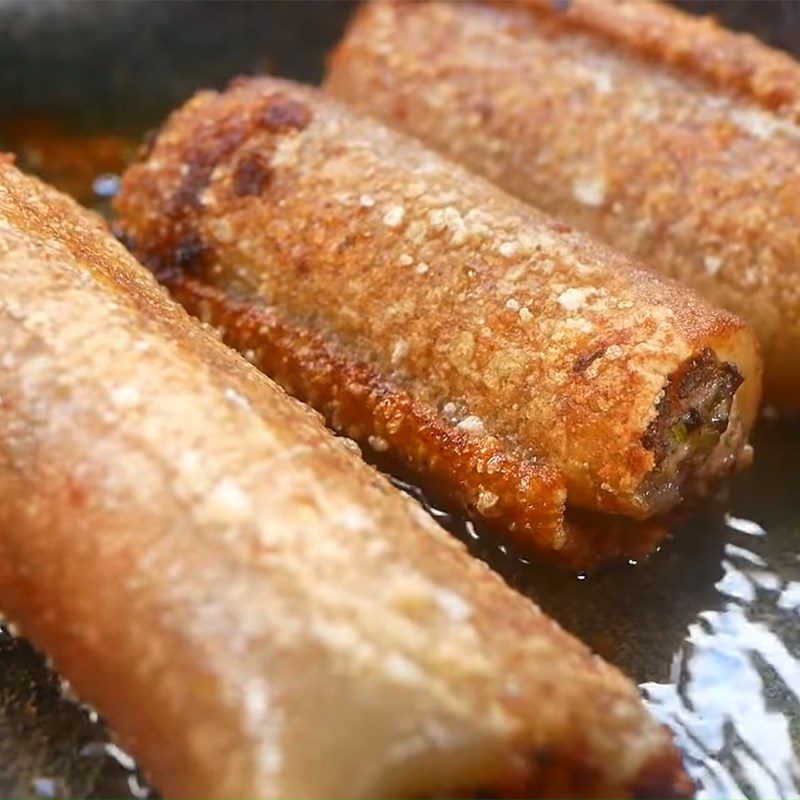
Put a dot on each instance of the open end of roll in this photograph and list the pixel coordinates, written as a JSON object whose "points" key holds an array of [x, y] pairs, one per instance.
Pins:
{"points": [[697, 436]]}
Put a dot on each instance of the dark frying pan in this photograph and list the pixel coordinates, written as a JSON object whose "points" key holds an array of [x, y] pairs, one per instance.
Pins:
{"points": [[708, 626]]}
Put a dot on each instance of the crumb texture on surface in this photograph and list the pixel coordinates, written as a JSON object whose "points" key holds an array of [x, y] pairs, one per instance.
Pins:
{"points": [[511, 332], [255, 611], [668, 137]]}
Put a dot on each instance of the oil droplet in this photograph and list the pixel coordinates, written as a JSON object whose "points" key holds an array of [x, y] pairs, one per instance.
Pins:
{"points": [[106, 185]]}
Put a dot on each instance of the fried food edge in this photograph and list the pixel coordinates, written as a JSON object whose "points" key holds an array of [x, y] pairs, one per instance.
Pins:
{"points": [[160, 604]]}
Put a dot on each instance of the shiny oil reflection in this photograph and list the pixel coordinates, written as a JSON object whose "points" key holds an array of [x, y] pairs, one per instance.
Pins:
{"points": [[708, 626], [732, 699]]}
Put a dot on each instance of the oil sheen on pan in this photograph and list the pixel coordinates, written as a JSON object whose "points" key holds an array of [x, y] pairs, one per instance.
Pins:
{"points": [[717, 606], [708, 627]]}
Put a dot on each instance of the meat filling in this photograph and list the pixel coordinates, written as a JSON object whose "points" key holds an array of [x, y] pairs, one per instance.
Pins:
{"points": [[696, 434]]}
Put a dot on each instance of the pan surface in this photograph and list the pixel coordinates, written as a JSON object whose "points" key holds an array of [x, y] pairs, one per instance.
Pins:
{"points": [[708, 626]]}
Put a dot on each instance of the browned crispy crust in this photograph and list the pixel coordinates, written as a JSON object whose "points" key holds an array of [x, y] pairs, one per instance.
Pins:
{"points": [[530, 495], [541, 342], [254, 610], [665, 135], [735, 62], [457, 469]]}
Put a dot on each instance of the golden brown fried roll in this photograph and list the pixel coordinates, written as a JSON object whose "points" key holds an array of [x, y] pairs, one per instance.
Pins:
{"points": [[255, 611], [426, 313], [668, 137]]}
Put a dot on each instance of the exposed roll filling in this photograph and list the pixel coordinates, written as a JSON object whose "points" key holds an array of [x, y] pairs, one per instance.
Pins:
{"points": [[696, 435]]}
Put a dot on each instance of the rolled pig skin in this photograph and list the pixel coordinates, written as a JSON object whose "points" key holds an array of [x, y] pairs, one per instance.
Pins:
{"points": [[668, 137], [254, 610], [427, 313]]}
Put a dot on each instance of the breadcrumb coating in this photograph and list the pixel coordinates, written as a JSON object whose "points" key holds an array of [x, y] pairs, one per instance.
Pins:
{"points": [[670, 138], [520, 338], [255, 611]]}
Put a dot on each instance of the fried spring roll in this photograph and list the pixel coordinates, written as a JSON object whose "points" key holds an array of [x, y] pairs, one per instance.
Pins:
{"points": [[536, 514], [255, 611], [427, 313], [672, 139]]}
